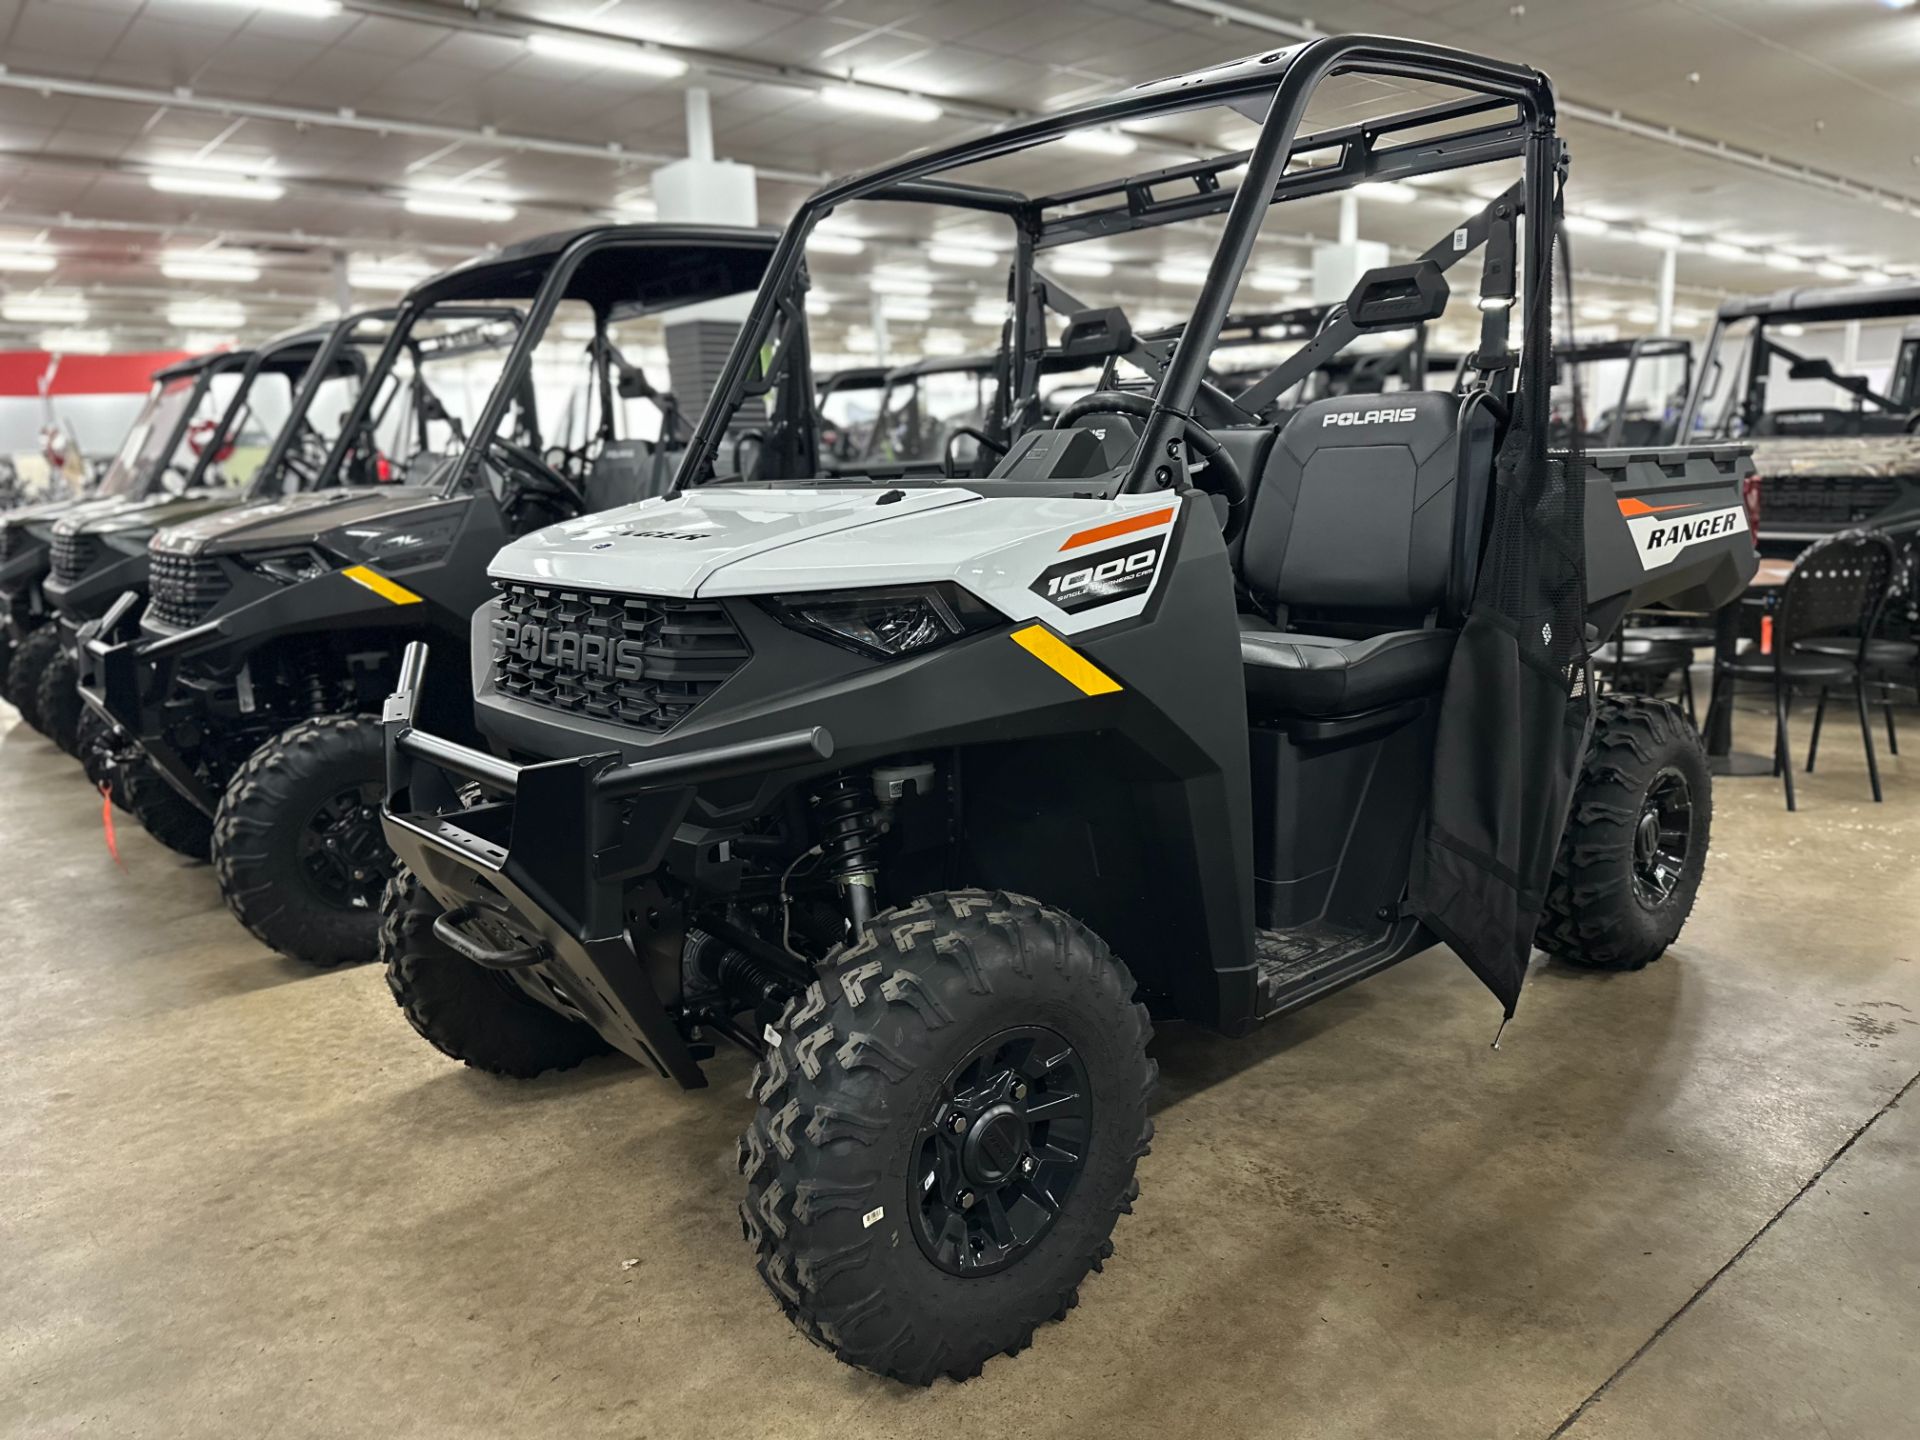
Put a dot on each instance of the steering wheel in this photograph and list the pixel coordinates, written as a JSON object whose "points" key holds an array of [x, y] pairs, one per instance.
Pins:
{"points": [[973, 433], [1222, 476], [530, 466]]}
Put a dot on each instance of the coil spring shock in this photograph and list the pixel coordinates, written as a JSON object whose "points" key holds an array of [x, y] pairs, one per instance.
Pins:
{"points": [[850, 835], [316, 689]]}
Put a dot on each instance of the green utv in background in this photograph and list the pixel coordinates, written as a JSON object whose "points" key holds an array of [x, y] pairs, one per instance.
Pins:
{"points": [[252, 681]]}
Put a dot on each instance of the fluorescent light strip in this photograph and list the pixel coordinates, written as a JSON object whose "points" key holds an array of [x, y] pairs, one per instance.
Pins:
{"points": [[1389, 190], [460, 207], [206, 315], [239, 269], [303, 9], [964, 255], [607, 55], [45, 310], [827, 243], [226, 187], [916, 109], [1100, 141], [75, 342], [1083, 267], [26, 262]]}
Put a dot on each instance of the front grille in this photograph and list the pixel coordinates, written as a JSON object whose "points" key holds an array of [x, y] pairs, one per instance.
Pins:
{"points": [[185, 589], [637, 660], [1824, 501], [73, 555]]}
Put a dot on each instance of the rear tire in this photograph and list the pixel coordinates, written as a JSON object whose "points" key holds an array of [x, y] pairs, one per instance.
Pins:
{"points": [[468, 1013], [890, 1199], [297, 843], [169, 817], [1635, 845], [59, 705], [30, 661]]}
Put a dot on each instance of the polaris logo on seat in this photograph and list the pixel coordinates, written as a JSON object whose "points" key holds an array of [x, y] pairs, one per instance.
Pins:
{"points": [[583, 654], [1368, 417]]}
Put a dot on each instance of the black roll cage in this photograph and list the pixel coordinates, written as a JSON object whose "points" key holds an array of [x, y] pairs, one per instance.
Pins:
{"points": [[1633, 351], [1284, 81]]}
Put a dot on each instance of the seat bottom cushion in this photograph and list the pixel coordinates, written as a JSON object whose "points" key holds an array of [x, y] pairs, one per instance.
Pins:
{"points": [[1295, 674]]}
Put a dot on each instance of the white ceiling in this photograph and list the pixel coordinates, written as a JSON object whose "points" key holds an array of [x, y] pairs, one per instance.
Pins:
{"points": [[1772, 123]]}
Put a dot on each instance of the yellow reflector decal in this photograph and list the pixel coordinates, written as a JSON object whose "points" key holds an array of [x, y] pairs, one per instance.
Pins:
{"points": [[380, 585], [1053, 652]]}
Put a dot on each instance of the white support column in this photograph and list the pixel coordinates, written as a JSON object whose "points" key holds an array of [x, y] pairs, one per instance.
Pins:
{"points": [[701, 190], [1665, 369], [877, 317], [1337, 268]]}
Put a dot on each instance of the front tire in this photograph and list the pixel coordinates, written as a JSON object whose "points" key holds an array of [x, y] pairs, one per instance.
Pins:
{"points": [[947, 1132], [297, 843], [1635, 845], [168, 816], [464, 1011], [30, 661], [59, 705]]}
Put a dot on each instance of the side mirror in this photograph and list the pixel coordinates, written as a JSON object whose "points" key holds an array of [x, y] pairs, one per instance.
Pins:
{"points": [[1097, 335], [1392, 297]]}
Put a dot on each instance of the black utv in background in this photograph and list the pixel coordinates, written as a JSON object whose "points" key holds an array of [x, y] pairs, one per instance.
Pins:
{"points": [[1832, 452], [253, 680], [244, 400], [164, 460], [928, 789]]}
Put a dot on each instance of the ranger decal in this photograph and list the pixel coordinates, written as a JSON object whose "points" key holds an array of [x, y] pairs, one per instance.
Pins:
{"points": [[1659, 538]]}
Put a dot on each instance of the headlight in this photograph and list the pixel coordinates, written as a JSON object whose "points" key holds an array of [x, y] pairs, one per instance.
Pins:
{"points": [[411, 538], [289, 567], [888, 623]]}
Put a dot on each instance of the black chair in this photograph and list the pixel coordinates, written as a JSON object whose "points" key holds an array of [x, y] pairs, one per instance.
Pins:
{"points": [[1639, 662], [1836, 593], [1890, 663]]}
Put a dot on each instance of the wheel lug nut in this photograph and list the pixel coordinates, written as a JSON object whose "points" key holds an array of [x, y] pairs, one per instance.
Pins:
{"points": [[1019, 1089], [966, 1199], [958, 1124], [1026, 1166]]}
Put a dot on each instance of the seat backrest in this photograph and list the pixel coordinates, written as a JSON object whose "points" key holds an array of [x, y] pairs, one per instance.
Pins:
{"points": [[625, 472], [1370, 510]]}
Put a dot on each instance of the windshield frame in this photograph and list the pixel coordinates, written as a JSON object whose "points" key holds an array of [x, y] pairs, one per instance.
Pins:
{"points": [[1283, 81]]}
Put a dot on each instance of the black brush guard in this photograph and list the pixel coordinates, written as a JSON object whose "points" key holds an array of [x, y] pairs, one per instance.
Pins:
{"points": [[518, 864]]}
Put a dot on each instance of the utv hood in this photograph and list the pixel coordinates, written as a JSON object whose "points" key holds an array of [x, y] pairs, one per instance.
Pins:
{"points": [[295, 520], [39, 520], [672, 547], [155, 512]]}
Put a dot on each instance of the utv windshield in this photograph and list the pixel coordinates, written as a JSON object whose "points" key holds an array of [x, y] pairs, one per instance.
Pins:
{"points": [[1134, 279], [206, 425], [1813, 364]]}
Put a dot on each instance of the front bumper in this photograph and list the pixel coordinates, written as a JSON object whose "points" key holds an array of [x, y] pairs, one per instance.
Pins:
{"points": [[551, 862]]}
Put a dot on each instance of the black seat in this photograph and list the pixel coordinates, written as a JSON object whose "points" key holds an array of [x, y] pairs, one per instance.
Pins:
{"points": [[1360, 549]]}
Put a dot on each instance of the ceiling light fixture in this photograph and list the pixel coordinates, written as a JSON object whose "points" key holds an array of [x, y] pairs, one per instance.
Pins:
{"points": [[303, 9], [1658, 239], [1077, 267], [826, 242], [1277, 280], [206, 315], [883, 284], [26, 262], [1177, 273], [964, 255], [607, 55], [45, 309], [386, 277], [74, 342], [226, 187], [916, 109], [1828, 270], [1100, 141], [1721, 250], [1587, 225], [1391, 191], [449, 206], [895, 308], [235, 266], [1780, 260]]}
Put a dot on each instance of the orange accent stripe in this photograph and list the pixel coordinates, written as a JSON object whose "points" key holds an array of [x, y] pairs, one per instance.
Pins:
{"points": [[1118, 527], [1640, 507]]}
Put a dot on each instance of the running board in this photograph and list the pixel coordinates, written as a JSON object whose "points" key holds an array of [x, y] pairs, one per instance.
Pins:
{"points": [[1299, 966]]}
